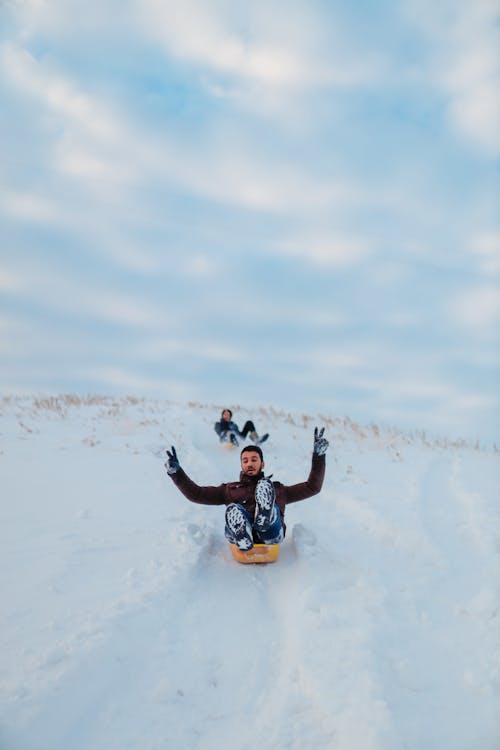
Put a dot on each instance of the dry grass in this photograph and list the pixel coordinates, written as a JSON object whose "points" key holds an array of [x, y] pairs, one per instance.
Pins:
{"points": [[338, 428]]}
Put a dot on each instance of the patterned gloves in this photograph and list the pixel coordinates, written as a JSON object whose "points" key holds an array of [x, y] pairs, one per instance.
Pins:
{"points": [[320, 443], [172, 464]]}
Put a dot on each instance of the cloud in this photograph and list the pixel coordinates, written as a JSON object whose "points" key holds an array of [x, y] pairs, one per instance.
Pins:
{"points": [[56, 92], [259, 44], [474, 401], [472, 78], [478, 309], [27, 206], [199, 266], [126, 380], [485, 246], [464, 62], [82, 137], [328, 250], [108, 154], [261, 60], [31, 342], [240, 302], [157, 348], [235, 177], [334, 366], [11, 281], [337, 358], [71, 296], [94, 139]]}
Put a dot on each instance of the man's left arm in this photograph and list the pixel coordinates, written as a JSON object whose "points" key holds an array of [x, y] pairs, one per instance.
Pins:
{"points": [[314, 482]]}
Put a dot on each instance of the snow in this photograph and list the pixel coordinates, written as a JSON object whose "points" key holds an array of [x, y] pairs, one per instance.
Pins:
{"points": [[127, 625]]}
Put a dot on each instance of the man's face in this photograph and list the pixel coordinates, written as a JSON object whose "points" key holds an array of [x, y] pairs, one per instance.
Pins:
{"points": [[226, 415], [251, 463]]}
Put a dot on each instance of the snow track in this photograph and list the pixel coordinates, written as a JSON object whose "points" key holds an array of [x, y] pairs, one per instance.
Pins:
{"points": [[128, 625]]}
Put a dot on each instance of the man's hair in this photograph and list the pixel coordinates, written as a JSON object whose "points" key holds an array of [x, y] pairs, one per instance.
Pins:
{"points": [[252, 449]]}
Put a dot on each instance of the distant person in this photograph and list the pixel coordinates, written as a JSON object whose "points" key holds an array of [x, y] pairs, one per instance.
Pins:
{"points": [[255, 506], [228, 431]]}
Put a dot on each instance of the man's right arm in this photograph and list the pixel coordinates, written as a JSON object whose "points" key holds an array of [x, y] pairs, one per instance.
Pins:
{"points": [[191, 490], [196, 493]]}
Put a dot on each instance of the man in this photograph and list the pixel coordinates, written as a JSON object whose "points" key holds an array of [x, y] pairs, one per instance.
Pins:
{"points": [[228, 431], [255, 506]]}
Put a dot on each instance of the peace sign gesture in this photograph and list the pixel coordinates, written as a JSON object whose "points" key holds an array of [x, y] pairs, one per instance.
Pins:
{"points": [[172, 465], [320, 443]]}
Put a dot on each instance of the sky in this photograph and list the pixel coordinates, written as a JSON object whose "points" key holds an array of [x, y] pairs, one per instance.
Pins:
{"points": [[257, 203]]}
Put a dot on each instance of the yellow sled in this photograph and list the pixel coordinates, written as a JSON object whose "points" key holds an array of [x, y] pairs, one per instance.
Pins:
{"points": [[260, 553]]}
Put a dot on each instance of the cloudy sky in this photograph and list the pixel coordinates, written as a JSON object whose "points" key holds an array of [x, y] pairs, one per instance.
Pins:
{"points": [[255, 203]]}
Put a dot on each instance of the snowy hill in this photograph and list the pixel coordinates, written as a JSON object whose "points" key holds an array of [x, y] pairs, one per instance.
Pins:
{"points": [[125, 624]]}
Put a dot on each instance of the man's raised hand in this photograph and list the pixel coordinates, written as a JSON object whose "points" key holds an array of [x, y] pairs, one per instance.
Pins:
{"points": [[172, 464], [320, 443]]}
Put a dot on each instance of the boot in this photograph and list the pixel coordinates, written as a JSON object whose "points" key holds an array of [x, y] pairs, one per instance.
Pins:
{"points": [[239, 526], [265, 508]]}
